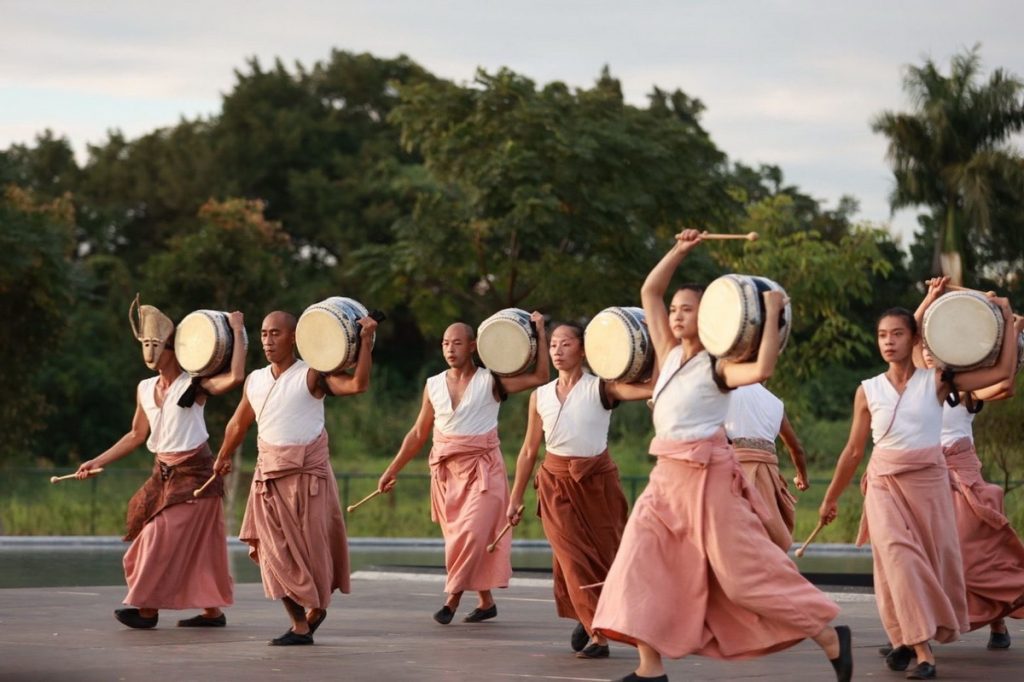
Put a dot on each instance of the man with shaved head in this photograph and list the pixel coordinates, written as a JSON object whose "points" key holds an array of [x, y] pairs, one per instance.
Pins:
{"points": [[468, 482], [293, 523]]}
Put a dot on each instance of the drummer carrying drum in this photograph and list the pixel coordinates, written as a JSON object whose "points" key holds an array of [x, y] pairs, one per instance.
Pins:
{"points": [[178, 557], [468, 483]]}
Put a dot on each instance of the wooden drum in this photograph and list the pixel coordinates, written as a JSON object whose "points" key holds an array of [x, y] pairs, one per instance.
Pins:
{"points": [[507, 342], [731, 316], [204, 342], [327, 334], [618, 345], [963, 330]]}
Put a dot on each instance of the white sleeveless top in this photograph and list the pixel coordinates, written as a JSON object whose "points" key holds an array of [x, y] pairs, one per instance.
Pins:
{"points": [[579, 426], [172, 428], [957, 423], [289, 414], [918, 422], [688, 405], [754, 412], [476, 413]]}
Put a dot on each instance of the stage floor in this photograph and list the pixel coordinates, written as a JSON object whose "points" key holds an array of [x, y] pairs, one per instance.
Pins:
{"points": [[383, 631]]}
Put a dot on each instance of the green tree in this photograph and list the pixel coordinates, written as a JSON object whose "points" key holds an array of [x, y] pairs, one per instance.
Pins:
{"points": [[952, 151]]}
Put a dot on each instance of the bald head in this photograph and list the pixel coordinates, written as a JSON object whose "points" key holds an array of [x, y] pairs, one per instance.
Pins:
{"points": [[278, 336], [458, 344], [279, 319], [460, 329]]}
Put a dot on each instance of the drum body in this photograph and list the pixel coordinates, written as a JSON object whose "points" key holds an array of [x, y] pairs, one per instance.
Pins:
{"points": [[731, 316], [963, 330], [507, 342], [618, 345], [327, 334], [204, 342]]}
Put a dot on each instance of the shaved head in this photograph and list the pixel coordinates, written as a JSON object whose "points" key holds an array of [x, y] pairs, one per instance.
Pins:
{"points": [[279, 319], [461, 329], [458, 344]]}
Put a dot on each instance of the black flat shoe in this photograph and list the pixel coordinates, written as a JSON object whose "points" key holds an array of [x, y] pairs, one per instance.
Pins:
{"points": [[594, 651], [202, 621], [899, 658], [477, 615], [843, 663], [444, 615], [633, 677], [922, 671], [291, 639], [132, 619], [315, 623], [884, 651], [579, 637], [999, 640]]}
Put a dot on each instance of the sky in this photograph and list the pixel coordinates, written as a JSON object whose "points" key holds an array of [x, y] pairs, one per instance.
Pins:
{"points": [[790, 83]]}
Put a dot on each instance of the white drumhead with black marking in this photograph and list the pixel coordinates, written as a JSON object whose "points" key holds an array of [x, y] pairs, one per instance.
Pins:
{"points": [[963, 330], [506, 342]]}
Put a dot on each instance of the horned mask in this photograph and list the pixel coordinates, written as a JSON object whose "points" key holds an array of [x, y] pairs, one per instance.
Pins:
{"points": [[153, 331]]}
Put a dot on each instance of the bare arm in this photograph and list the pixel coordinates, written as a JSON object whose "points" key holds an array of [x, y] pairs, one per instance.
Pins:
{"points": [[235, 374], [343, 383], [526, 462], [541, 372], [234, 434], [936, 287], [411, 444], [622, 392], [652, 293], [123, 447], [796, 453], [743, 373], [1003, 370], [850, 458]]}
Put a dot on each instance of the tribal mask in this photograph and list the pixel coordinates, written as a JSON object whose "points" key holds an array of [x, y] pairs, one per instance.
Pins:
{"points": [[156, 330]]}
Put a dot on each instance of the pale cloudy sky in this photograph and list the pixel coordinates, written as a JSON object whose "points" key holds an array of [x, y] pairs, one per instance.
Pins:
{"points": [[793, 83]]}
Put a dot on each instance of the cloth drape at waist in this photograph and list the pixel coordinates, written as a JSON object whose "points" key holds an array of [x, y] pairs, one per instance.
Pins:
{"points": [[745, 454], [762, 444], [173, 459], [170, 485], [885, 462], [965, 474], [463, 456], [578, 468], [697, 452], [278, 461]]}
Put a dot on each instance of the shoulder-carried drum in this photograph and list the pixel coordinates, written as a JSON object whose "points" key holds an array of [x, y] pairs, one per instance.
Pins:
{"points": [[327, 334], [731, 316], [618, 345], [204, 342], [507, 342], [963, 330]]}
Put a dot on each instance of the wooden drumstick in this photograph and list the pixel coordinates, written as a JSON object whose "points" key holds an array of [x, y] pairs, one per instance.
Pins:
{"points": [[91, 472], [591, 586], [810, 539], [749, 236], [490, 547], [375, 493], [199, 491]]}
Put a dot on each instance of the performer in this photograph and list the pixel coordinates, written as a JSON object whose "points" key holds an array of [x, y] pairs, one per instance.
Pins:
{"points": [[293, 523], [696, 572], [579, 497], [178, 557], [918, 570], [468, 482], [756, 417]]}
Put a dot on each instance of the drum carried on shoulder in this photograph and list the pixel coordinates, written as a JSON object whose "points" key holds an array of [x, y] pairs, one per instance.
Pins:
{"points": [[507, 342], [327, 334], [963, 331], [618, 345], [204, 342], [731, 316]]}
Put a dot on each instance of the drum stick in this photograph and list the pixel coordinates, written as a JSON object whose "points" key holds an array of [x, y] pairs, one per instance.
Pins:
{"points": [[91, 472], [591, 586], [810, 539], [490, 547], [749, 236], [353, 507], [199, 491], [954, 287]]}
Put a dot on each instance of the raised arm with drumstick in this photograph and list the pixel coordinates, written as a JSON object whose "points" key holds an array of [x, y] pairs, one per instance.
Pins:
{"points": [[193, 567]]}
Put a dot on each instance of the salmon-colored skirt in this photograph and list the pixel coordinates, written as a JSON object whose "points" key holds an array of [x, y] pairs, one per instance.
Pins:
{"points": [[918, 569], [696, 572], [992, 552], [762, 471], [180, 559]]}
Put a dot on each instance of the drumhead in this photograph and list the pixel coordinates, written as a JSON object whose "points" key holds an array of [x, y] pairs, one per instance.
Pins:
{"points": [[724, 312], [203, 341], [506, 343], [963, 329], [617, 344]]}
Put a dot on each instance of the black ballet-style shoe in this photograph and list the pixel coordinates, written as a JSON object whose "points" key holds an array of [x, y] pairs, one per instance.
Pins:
{"points": [[998, 640], [202, 621], [594, 651], [579, 637], [923, 671], [633, 677], [884, 651], [899, 658], [843, 663], [315, 623], [291, 638], [132, 619], [478, 615], [444, 615]]}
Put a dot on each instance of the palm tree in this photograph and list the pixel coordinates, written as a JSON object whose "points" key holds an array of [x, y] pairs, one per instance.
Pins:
{"points": [[950, 151]]}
